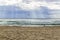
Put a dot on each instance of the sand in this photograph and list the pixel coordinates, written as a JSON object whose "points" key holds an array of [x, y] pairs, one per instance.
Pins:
{"points": [[29, 33]]}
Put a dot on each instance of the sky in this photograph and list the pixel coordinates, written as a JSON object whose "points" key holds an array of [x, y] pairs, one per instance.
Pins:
{"points": [[29, 9]]}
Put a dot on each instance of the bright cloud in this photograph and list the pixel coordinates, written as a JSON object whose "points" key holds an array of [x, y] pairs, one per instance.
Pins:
{"points": [[32, 5], [7, 2]]}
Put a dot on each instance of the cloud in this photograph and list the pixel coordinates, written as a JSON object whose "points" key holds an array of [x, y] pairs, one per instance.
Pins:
{"points": [[7, 2], [30, 4], [55, 14], [34, 7]]}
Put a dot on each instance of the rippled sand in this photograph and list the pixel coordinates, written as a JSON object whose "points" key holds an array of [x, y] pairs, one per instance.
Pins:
{"points": [[29, 33]]}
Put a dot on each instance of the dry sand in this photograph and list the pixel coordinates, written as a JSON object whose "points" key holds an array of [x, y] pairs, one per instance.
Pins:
{"points": [[29, 33]]}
